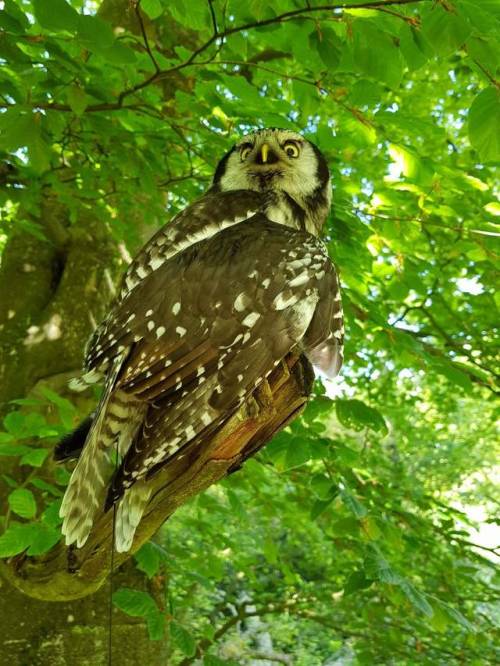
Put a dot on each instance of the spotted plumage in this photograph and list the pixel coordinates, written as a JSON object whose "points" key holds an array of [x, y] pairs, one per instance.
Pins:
{"points": [[210, 306]]}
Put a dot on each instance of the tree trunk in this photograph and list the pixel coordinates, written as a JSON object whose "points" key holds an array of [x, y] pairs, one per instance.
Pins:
{"points": [[40, 633], [51, 292]]}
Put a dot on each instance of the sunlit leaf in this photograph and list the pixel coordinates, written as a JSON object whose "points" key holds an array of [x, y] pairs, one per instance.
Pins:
{"points": [[484, 124]]}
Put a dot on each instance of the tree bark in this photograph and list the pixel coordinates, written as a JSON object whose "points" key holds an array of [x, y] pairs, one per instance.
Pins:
{"points": [[51, 291]]}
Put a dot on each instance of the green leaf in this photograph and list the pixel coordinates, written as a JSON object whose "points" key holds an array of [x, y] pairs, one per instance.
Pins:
{"points": [[148, 559], [365, 92], [453, 373], [194, 15], [119, 54], [12, 483], [43, 538], [370, 528], [357, 415], [376, 54], [55, 15], [182, 639], [328, 46], [319, 506], [155, 623], [376, 567], [153, 8], [244, 90], [14, 449], [484, 124], [414, 47], [34, 457], [14, 19], [61, 476], [77, 99], [51, 516], [484, 50], [134, 602], [36, 538], [457, 616], [446, 30], [322, 486], [237, 505], [65, 408], [94, 33], [353, 503], [15, 539], [22, 502], [417, 599], [17, 129], [357, 581], [212, 660], [297, 454], [22, 425], [493, 208]]}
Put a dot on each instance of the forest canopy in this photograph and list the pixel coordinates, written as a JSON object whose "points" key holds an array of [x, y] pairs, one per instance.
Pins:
{"points": [[364, 532]]}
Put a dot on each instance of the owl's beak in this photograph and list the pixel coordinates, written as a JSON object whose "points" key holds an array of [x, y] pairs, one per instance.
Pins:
{"points": [[266, 155]]}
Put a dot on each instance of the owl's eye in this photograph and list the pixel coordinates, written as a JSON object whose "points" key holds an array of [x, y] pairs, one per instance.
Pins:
{"points": [[291, 149], [245, 150]]}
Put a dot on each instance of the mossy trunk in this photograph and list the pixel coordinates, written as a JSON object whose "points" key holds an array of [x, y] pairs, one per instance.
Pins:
{"points": [[38, 633], [52, 291]]}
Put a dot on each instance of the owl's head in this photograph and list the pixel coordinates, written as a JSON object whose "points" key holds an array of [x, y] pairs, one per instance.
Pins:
{"points": [[281, 161]]}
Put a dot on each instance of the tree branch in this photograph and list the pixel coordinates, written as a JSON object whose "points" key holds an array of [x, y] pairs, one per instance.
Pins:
{"points": [[144, 36], [191, 61]]}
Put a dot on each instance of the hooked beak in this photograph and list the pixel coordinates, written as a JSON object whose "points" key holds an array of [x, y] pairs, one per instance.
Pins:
{"points": [[264, 150]]}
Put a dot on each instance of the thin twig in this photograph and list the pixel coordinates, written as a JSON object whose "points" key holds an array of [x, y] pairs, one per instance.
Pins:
{"points": [[145, 37]]}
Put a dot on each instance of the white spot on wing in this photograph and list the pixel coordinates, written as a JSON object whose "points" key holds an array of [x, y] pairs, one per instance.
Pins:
{"points": [[282, 301], [239, 303], [302, 278], [251, 319]]}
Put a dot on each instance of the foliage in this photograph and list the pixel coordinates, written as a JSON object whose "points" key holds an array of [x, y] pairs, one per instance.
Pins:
{"points": [[352, 533]]}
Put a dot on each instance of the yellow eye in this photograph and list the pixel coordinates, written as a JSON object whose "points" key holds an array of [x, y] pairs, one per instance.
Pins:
{"points": [[245, 151], [291, 149]]}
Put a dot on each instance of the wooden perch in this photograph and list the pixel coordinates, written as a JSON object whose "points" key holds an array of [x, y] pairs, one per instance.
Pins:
{"points": [[67, 573]]}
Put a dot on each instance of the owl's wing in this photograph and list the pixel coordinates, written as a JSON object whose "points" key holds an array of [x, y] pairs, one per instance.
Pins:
{"points": [[208, 325], [324, 339], [201, 220], [191, 341]]}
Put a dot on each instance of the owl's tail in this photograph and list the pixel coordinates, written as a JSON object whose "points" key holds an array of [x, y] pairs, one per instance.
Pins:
{"points": [[86, 487], [129, 513], [111, 431]]}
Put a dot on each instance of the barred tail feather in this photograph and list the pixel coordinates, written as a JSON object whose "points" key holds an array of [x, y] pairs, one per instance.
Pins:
{"points": [[129, 513], [85, 492], [86, 487]]}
